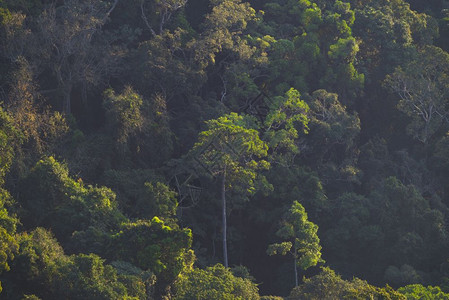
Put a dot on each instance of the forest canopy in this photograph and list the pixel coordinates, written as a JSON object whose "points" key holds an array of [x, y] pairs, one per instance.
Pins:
{"points": [[224, 149]]}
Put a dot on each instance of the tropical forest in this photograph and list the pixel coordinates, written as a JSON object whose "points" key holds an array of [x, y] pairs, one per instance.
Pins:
{"points": [[224, 149]]}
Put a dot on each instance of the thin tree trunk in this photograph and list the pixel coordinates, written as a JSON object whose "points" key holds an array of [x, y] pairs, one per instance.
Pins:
{"points": [[66, 104], [296, 273], [223, 202]]}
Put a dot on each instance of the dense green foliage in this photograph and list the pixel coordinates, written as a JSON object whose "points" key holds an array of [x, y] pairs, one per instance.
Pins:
{"points": [[214, 282], [168, 149], [417, 291], [328, 285]]}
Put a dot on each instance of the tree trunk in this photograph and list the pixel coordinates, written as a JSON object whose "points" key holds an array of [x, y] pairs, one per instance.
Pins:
{"points": [[296, 273], [223, 202], [66, 100]]}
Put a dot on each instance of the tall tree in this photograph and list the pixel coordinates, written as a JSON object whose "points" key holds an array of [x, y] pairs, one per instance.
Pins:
{"points": [[73, 48], [423, 86], [231, 150], [301, 239]]}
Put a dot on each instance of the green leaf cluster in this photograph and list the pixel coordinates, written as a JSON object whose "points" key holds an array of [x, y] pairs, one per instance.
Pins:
{"points": [[214, 282]]}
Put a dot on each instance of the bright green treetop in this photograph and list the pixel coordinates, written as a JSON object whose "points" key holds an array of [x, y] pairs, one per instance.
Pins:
{"points": [[232, 146], [418, 291], [281, 123], [301, 235]]}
